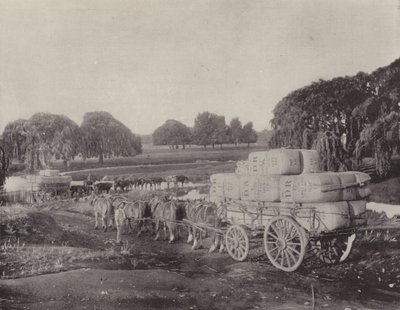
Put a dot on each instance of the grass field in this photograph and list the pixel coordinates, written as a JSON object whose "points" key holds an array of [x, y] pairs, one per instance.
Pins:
{"points": [[196, 163], [163, 155]]}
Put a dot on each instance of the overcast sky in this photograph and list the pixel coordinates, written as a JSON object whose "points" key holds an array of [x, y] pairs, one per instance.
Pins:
{"points": [[149, 61]]}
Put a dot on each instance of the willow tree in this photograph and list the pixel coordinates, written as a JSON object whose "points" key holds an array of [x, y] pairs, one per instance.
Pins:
{"points": [[320, 107], [105, 135], [379, 140]]}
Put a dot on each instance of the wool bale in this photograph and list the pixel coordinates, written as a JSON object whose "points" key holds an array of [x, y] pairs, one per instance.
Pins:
{"points": [[242, 167], [257, 163], [310, 161], [231, 186], [248, 188], [349, 183], [268, 188], [283, 161], [217, 187], [357, 208], [49, 172], [311, 187], [361, 189], [330, 216]]}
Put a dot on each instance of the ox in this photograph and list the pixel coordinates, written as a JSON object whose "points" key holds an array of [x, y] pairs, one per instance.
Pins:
{"points": [[207, 214], [102, 206], [176, 180], [166, 213], [126, 211]]}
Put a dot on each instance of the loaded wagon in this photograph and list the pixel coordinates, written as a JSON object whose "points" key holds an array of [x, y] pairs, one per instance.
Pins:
{"points": [[48, 185], [283, 197]]}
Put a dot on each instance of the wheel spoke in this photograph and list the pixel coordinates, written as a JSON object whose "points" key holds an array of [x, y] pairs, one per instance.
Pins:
{"points": [[294, 243], [294, 250], [289, 233], [273, 249], [287, 259], [272, 235], [276, 231], [291, 255]]}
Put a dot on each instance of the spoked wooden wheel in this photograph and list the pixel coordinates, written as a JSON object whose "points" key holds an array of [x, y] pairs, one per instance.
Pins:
{"points": [[332, 250], [237, 243], [285, 243]]}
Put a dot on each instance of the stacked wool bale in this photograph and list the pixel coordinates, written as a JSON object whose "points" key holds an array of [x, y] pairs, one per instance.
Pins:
{"points": [[258, 178], [294, 176]]}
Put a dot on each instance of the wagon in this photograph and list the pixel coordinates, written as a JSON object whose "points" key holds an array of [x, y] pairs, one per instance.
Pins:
{"points": [[288, 230], [48, 187]]}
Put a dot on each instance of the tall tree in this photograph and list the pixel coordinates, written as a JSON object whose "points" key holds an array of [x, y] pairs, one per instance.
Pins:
{"points": [[14, 137], [209, 129], [172, 133], [236, 130], [103, 135], [249, 134]]}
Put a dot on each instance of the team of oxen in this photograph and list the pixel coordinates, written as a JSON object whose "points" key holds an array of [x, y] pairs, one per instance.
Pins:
{"points": [[150, 183], [160, 213]]}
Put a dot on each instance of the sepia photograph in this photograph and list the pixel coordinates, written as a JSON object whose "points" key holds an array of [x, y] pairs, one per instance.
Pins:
{"points": [[200, 154]]}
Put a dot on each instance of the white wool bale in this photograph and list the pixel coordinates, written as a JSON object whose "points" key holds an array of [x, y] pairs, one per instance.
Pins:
{"points": [[248, 188], [361, 189], [330, 216], [310, 161], [242, 167], [357, 208], [268, 188], [283, 161], [312, 187], [217, 186], [257, 162], [49, 172], [349, 183], [231, 186]]}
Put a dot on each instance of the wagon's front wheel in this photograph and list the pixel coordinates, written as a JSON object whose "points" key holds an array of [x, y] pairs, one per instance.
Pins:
{"points": [[285, 243], [237, 243]]}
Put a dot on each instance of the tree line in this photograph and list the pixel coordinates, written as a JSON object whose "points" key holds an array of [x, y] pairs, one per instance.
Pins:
{"points": [[209, 129], [346, 119], [46, 136]]}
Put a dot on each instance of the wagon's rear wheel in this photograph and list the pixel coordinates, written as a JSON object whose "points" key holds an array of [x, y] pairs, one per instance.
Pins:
{"points": [[285, 243], [332, 250], [237, 243]]}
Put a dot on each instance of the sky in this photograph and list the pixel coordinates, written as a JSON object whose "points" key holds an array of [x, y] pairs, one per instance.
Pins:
{"points": [[149, 61]]}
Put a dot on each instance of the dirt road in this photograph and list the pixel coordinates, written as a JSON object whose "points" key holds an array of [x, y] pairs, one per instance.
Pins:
{"points": [[154, 274]]}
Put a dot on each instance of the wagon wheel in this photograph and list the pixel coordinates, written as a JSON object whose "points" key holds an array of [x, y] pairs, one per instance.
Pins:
{"points": [[332, 250], [39, 196], [285, 243], [50, 194], [65, 195], [237, 243]]}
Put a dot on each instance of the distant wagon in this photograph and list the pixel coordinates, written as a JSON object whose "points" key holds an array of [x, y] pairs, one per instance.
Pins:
{"points": [[48, 185], [80, 188], [103, 186]]}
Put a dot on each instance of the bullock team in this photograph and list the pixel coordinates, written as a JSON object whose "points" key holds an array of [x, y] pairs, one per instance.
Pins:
{"points": [[152, 183], [160, 213]]}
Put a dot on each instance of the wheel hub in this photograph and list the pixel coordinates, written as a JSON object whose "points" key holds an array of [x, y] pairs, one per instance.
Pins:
{"points": [[281, 243]]}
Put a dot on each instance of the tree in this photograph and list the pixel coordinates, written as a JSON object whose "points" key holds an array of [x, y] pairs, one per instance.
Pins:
{"points": [[209, 129], [172, 133], [236, 131], [352, 109], [14, 136], [51, 135], [104, 135], [249, 134]]}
